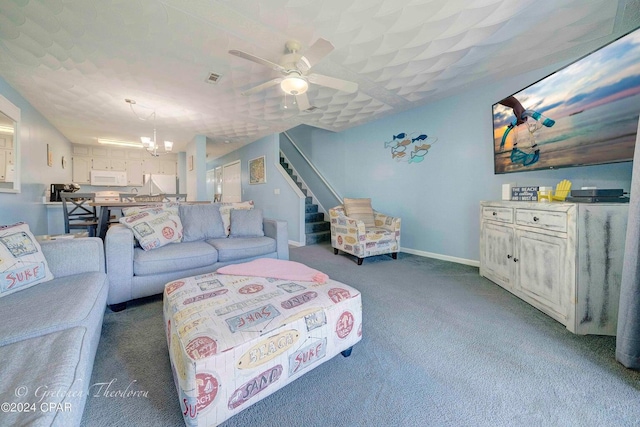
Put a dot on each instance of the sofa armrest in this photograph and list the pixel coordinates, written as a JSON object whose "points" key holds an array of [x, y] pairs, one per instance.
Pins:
{"points": [[118, 245], [277, 229], [74, 256]]}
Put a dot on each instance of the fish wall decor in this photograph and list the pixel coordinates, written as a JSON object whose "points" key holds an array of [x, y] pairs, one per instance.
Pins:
{"points": [[410, 147]]}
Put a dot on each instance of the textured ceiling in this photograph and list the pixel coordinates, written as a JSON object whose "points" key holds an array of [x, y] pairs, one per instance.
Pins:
{"points": [[76, 61]]}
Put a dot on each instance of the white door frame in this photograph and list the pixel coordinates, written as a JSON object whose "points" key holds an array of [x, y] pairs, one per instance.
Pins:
{"points": [[231, 182]]}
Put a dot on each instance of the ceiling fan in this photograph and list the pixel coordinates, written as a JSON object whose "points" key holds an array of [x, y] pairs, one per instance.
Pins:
{"points": [[295, 68]]}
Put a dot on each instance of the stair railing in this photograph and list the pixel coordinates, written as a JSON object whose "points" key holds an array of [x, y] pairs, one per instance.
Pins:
{"points": [[311, 165]]}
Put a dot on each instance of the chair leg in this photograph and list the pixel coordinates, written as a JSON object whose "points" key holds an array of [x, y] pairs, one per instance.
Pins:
{"points": [[335, 251], [360, 261], [394, 255]]}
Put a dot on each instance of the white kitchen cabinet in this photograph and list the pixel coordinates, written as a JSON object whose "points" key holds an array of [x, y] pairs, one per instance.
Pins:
{"points": [[103, 164], [151, 165], [81, 167], [168, 167], [563, 258], [135, 173], [3, 165]]}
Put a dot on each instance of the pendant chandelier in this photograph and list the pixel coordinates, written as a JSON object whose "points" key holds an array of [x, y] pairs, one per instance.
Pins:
{"points": [[151, 145]]}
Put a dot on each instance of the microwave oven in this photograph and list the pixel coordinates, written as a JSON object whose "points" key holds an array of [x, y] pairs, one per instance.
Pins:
{"points": [[108, 178]]}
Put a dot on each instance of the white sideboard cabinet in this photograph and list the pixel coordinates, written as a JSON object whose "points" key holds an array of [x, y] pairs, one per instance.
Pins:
{"points": [[563, 258]]}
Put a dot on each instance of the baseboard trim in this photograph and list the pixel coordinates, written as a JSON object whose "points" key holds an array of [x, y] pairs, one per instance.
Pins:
{"points": [[464, 261], [296, 244]]}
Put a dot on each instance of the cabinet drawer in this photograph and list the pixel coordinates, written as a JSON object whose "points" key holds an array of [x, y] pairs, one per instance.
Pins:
{"points": [[556, 221], [498, 214]]}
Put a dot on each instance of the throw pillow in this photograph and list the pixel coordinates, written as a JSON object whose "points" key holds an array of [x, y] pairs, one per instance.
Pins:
{"points": [[225, 211], [201, 222], [22, 263], [155, 227], [360, 209], [246, 223], [137, 209]]}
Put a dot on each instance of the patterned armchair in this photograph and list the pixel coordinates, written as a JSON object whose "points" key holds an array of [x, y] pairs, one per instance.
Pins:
{"points": [[351, 236]]}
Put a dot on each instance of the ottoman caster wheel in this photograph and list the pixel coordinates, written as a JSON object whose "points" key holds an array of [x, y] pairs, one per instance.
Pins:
{"points": [[360, 261], [347, 352], [335, 251]]}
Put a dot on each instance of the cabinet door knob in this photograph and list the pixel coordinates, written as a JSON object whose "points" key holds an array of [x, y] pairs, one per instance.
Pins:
{"points": [[509, 256], [495, 213], [536, 219], [515, 260]]}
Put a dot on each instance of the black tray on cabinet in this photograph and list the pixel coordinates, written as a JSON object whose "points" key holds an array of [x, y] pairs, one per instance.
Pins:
{"points": [[598, 192]]}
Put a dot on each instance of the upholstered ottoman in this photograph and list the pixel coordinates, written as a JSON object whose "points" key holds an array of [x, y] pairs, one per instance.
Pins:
{"points": [[233, 340]]}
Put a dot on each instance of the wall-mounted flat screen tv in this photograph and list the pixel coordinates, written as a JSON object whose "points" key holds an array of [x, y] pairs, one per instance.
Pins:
{"points": [[584, 114]]}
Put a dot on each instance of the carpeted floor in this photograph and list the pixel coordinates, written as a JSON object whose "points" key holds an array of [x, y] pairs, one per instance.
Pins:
{"points": [[441, 346]]}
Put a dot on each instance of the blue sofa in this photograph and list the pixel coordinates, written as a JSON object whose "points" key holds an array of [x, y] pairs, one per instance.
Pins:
{"points": [[135, 273], [49, 335]]}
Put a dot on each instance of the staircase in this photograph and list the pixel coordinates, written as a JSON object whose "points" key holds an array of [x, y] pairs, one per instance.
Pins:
{"points": [[315, 227]]}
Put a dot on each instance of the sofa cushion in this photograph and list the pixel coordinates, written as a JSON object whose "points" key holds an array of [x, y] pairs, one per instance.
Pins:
{"points": [[173, 257], [242, 247], [22, 263], [155, 227], [201, 222], [360, 209], [225, 211], [246, 223], [47, 368], [52, 306]]}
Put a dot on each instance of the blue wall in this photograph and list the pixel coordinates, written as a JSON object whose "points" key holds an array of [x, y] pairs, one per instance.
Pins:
{"points": [[288, 205], [438, 199], [35, 133]]}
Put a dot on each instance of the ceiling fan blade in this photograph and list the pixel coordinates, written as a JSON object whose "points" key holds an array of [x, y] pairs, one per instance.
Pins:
{"points": [[334, 83], [262, 86], [303, 102], [257, 60], [314, 54]]}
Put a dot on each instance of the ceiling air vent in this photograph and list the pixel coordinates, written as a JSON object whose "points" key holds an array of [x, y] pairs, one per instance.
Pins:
{"points": [[213, 78]]}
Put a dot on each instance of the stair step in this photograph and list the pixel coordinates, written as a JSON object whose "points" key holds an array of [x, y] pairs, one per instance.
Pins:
{"points": [[314, 227], [313, 238], [310, 208], [308, 200], [313, 217]]}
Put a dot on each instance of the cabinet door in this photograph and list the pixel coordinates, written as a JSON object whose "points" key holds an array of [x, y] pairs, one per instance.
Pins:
{"points": [[151, 166], [497, 254], [118, 164], [81, 168], [168, 167], [3, 165], [100, 164], [134, 173], [6, 141], [541, 269]]}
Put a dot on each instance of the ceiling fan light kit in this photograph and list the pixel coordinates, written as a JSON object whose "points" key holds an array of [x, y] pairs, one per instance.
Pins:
{"points": [[294, 85]]}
